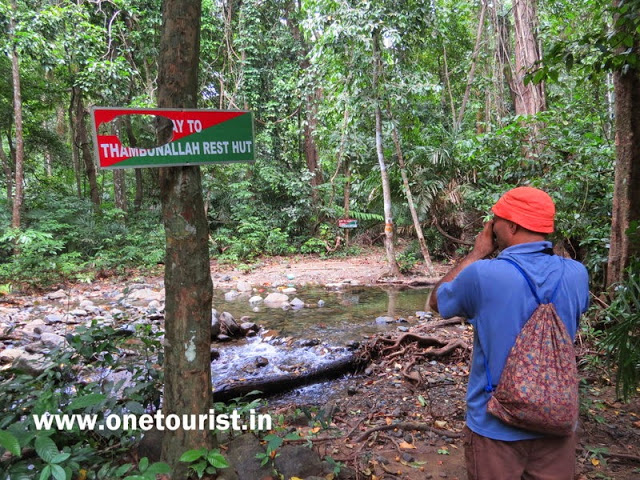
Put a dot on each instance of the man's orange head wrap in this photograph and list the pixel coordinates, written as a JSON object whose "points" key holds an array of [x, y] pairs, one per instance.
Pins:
{"points": [[529, 207]]}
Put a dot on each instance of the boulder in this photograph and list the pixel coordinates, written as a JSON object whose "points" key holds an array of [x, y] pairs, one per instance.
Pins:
{"points": [[229, 326], [241, 454], [299, 461], [276, 300], [9, 355], [255, 300], [52, 340], [57, 295], [244, 286], [231, 295], [297, 303]]}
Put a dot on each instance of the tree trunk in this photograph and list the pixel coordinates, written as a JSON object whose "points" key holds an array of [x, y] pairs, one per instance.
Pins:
{"points": [[394, 270], [530, 98], [472, 70], [346, 200], [412, 208], [133, 142], [120, 189], [626, 192], [74, 148], [188, 286], [17, 112], [82, 142], [8, 174]]}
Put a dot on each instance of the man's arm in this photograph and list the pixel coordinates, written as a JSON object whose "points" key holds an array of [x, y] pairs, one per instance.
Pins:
{"points": [[484, 246]]}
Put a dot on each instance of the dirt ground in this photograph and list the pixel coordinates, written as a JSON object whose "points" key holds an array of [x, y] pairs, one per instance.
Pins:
{"points": [[402, 417]]}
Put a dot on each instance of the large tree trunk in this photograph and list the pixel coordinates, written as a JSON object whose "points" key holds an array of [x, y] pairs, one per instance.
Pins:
{"points": [[394, 270], [8, 174], [75, 159], [530, 98], [17, 112], [188, 286], [82, 142], [120, 189], [626, 194]]}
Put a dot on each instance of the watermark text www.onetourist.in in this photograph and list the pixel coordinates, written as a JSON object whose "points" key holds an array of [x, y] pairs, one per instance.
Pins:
{"points": [[145, 422]]}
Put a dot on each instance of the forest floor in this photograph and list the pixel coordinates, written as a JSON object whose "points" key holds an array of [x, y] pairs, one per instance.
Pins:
{"points": [[362, 414]]}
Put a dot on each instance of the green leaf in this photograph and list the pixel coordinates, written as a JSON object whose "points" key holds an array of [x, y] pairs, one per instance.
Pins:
{"points": [[216, 459], [87, 401], [144, 464], [158, 467], [192, 455], [199, 468], [58, 472], [46, 473], [122, 469], [61, 457], [10, 443], [46, 448]]}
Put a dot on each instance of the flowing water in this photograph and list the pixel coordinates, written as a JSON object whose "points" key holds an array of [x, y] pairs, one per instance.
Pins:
{"points": [[294, 340]]}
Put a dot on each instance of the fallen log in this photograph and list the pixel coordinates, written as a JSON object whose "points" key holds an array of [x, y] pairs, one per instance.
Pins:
{"points": [[284, 383]]}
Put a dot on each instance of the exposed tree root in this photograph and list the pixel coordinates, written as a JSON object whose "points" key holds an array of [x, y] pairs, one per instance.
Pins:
{"points": [[408, 426]]}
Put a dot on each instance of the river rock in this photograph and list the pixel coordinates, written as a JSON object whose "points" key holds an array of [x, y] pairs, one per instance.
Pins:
{"points": [[244, 286], [86, 304], [32, 364], [154, 305], [297, 303], [402, 328], [9, 355], [299, 461], [261, 362], [289, 291], [256, 299], [79, 312], [276, 300], [147, 294], [52, 340], [215, 326], [247, 327], [241, 454], [53, 318], [57, 295], [231, 295], [228, 325], [384, 320], [320, 303]]}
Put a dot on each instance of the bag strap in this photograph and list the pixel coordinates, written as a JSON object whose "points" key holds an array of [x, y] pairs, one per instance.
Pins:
{"points": [[490, 386]]}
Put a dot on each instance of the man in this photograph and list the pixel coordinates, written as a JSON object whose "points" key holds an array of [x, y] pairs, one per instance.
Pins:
{"points": [[496, 299]]}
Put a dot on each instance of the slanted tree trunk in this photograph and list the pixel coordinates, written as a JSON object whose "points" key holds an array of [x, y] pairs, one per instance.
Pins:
{"points": [[626, 190], [187, 278], [17, 113], [412, 208], [394, 270], [530, 98], [82, 142]]}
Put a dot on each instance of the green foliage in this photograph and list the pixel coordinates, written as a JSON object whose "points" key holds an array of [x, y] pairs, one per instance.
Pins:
{"points": [[94, 352], [622, 338], [204, 461]]}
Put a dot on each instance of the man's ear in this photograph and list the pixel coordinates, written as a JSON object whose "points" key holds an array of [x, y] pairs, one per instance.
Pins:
{"points": [[513, 227]]}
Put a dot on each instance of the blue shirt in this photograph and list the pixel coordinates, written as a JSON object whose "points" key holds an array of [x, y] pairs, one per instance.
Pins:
{"points": [[496, 299]]}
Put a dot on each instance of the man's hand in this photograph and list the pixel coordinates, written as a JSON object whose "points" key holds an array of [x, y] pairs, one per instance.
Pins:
{"points": [[485, 243]]}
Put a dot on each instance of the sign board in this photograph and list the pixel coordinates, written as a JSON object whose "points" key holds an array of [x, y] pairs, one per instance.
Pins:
{"points": [[199, 137], [347, 223]]}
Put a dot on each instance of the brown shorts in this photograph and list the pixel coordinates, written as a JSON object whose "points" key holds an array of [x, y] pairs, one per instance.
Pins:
{"points": [[549, 458]]}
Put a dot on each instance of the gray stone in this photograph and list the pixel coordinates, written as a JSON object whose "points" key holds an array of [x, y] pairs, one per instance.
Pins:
{"points": [[154, 305], [228, 325], [384, 320], [147, 294], [289, 291], [320, 303], [79, 312], [256, 299], [247, 327], [241, 454], [231, 295], [297, 303], [299, 461], [244, 286], [52, 340], [57, 295], [86, 304], [261, 362], [403, 329], [276, 299], [9, 355], [53, 318], [32, 364], [223, 338], [215, 326], [407, 457]]}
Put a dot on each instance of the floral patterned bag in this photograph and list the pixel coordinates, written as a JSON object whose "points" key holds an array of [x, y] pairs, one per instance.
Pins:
{"points": [[538, 388]]}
